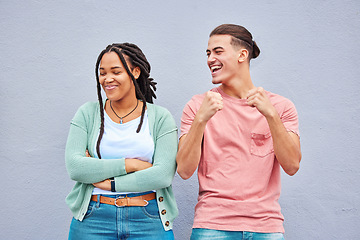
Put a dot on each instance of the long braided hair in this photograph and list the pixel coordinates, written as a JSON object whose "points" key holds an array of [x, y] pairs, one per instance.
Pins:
{"points": [[144, 86]]}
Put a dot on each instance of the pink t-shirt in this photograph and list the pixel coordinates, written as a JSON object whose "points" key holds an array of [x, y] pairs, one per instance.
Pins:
{"points": [[239, 176]]}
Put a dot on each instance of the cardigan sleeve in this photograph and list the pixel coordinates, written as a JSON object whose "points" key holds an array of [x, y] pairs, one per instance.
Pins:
{"points": [[87, 169], [161, 174]]}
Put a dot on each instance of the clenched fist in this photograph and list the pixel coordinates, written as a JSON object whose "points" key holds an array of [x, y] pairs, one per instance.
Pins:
{"points": [[258, 98], [212, 103]]}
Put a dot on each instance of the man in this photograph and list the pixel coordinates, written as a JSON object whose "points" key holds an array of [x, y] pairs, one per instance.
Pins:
{"points": [[238, 136]]}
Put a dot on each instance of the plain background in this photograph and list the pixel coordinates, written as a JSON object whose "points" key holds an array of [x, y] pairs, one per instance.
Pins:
{"points": [[309, 54]]}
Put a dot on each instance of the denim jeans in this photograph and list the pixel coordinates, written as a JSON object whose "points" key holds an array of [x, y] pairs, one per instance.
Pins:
{"points": [[210, 234], [104, 221]]}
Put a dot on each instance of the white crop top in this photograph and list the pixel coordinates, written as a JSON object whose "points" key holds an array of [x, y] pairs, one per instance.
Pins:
{"points": [[122, 141]]}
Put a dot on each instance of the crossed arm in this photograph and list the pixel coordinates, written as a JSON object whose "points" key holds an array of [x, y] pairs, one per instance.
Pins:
{"points": [[130, 174], [131, 165]]}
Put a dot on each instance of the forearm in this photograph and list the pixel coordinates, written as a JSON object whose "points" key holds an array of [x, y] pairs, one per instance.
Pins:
{"points": [[188, 156], [286, 145], [134, 165], [92, 170], [190, 145], [86, 169]]}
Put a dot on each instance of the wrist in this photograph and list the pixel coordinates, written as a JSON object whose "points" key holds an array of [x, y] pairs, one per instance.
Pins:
{"points": [[272, 114], [112, 183], [273, 118], [200, 121]]}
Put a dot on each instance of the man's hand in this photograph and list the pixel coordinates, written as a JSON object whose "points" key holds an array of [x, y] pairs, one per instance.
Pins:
{"points": [[212, 103], [286, 144], [258, 98], [189, 153]]}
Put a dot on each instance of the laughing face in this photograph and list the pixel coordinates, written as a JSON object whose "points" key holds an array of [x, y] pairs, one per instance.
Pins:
{"points": [[114, 79], [222, 59]]}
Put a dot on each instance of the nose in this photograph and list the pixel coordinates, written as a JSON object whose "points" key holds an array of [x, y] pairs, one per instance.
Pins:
{"points": [[108, 79], [210, 59]]}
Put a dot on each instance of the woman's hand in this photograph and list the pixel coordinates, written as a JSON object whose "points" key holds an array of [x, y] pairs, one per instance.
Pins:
{"points": [[87, 154], [131, 165], [104, 185], [134, 165]]}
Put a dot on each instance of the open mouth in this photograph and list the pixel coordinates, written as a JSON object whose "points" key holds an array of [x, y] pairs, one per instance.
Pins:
{"points": [[215, 68]]}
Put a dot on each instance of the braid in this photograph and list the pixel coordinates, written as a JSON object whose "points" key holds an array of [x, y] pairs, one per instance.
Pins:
{"points": [[100, 103], [145, 86], [139, 94], [137, 58]]}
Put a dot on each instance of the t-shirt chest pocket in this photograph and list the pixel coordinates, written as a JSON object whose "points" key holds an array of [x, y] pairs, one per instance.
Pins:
{"points": [[261, 144]]}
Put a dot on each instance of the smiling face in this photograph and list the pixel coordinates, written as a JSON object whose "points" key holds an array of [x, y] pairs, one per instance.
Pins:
{"points": [[223, 59], [114, 79]]}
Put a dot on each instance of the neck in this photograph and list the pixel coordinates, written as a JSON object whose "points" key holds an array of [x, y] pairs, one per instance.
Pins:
{"points": [[123, 107], [239, 86]]}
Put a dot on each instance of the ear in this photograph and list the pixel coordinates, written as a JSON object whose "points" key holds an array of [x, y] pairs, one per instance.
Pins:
{"points": [[136, 72], [243, 55]]}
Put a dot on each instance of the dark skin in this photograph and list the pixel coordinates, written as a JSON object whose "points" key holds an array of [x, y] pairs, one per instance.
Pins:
{"points": [[120, 90]]}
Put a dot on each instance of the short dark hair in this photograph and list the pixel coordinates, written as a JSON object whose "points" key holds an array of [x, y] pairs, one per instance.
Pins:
{"points": [[240, 37]]}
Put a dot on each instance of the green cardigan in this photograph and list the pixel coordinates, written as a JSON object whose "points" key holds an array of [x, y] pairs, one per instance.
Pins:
{"points": [[83, 135]]}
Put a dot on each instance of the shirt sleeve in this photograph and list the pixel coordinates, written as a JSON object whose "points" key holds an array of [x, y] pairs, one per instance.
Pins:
{"points": [[87, 169], [289, 118], [188, 114]]}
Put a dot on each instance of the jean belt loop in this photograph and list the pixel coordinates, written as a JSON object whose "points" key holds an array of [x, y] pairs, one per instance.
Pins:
{"points": [[98, 201]]}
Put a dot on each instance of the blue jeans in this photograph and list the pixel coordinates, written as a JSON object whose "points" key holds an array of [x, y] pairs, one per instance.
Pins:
{"points": [[104, 221], [210, 234]]}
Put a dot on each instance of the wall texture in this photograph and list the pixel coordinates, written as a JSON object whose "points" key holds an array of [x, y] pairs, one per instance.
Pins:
{"points": [[309, 53]]}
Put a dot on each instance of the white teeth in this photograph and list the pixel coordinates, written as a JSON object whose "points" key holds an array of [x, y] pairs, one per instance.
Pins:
{"points": [[213, 68]]}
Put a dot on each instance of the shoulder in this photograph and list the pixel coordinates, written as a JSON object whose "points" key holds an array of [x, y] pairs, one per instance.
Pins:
{"points": [[157, 110], [278, 100], [88, 106], [87, 110], [283, 105], [198, 98], [158, 113], [160, 118], [196, 101]]}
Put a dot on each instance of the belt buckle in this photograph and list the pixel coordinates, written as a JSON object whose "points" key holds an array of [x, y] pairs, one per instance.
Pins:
{"points": [[120, 197]]}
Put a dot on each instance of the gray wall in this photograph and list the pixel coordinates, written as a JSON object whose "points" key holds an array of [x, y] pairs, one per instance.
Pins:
{"points": [[309, 53]]}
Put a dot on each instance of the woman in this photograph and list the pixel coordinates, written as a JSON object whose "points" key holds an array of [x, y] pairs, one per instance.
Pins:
{"points": [[124, 190]]}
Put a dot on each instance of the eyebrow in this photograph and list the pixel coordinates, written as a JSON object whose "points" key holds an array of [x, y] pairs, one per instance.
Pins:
{"points": [[215, 48], [110, 68]]}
